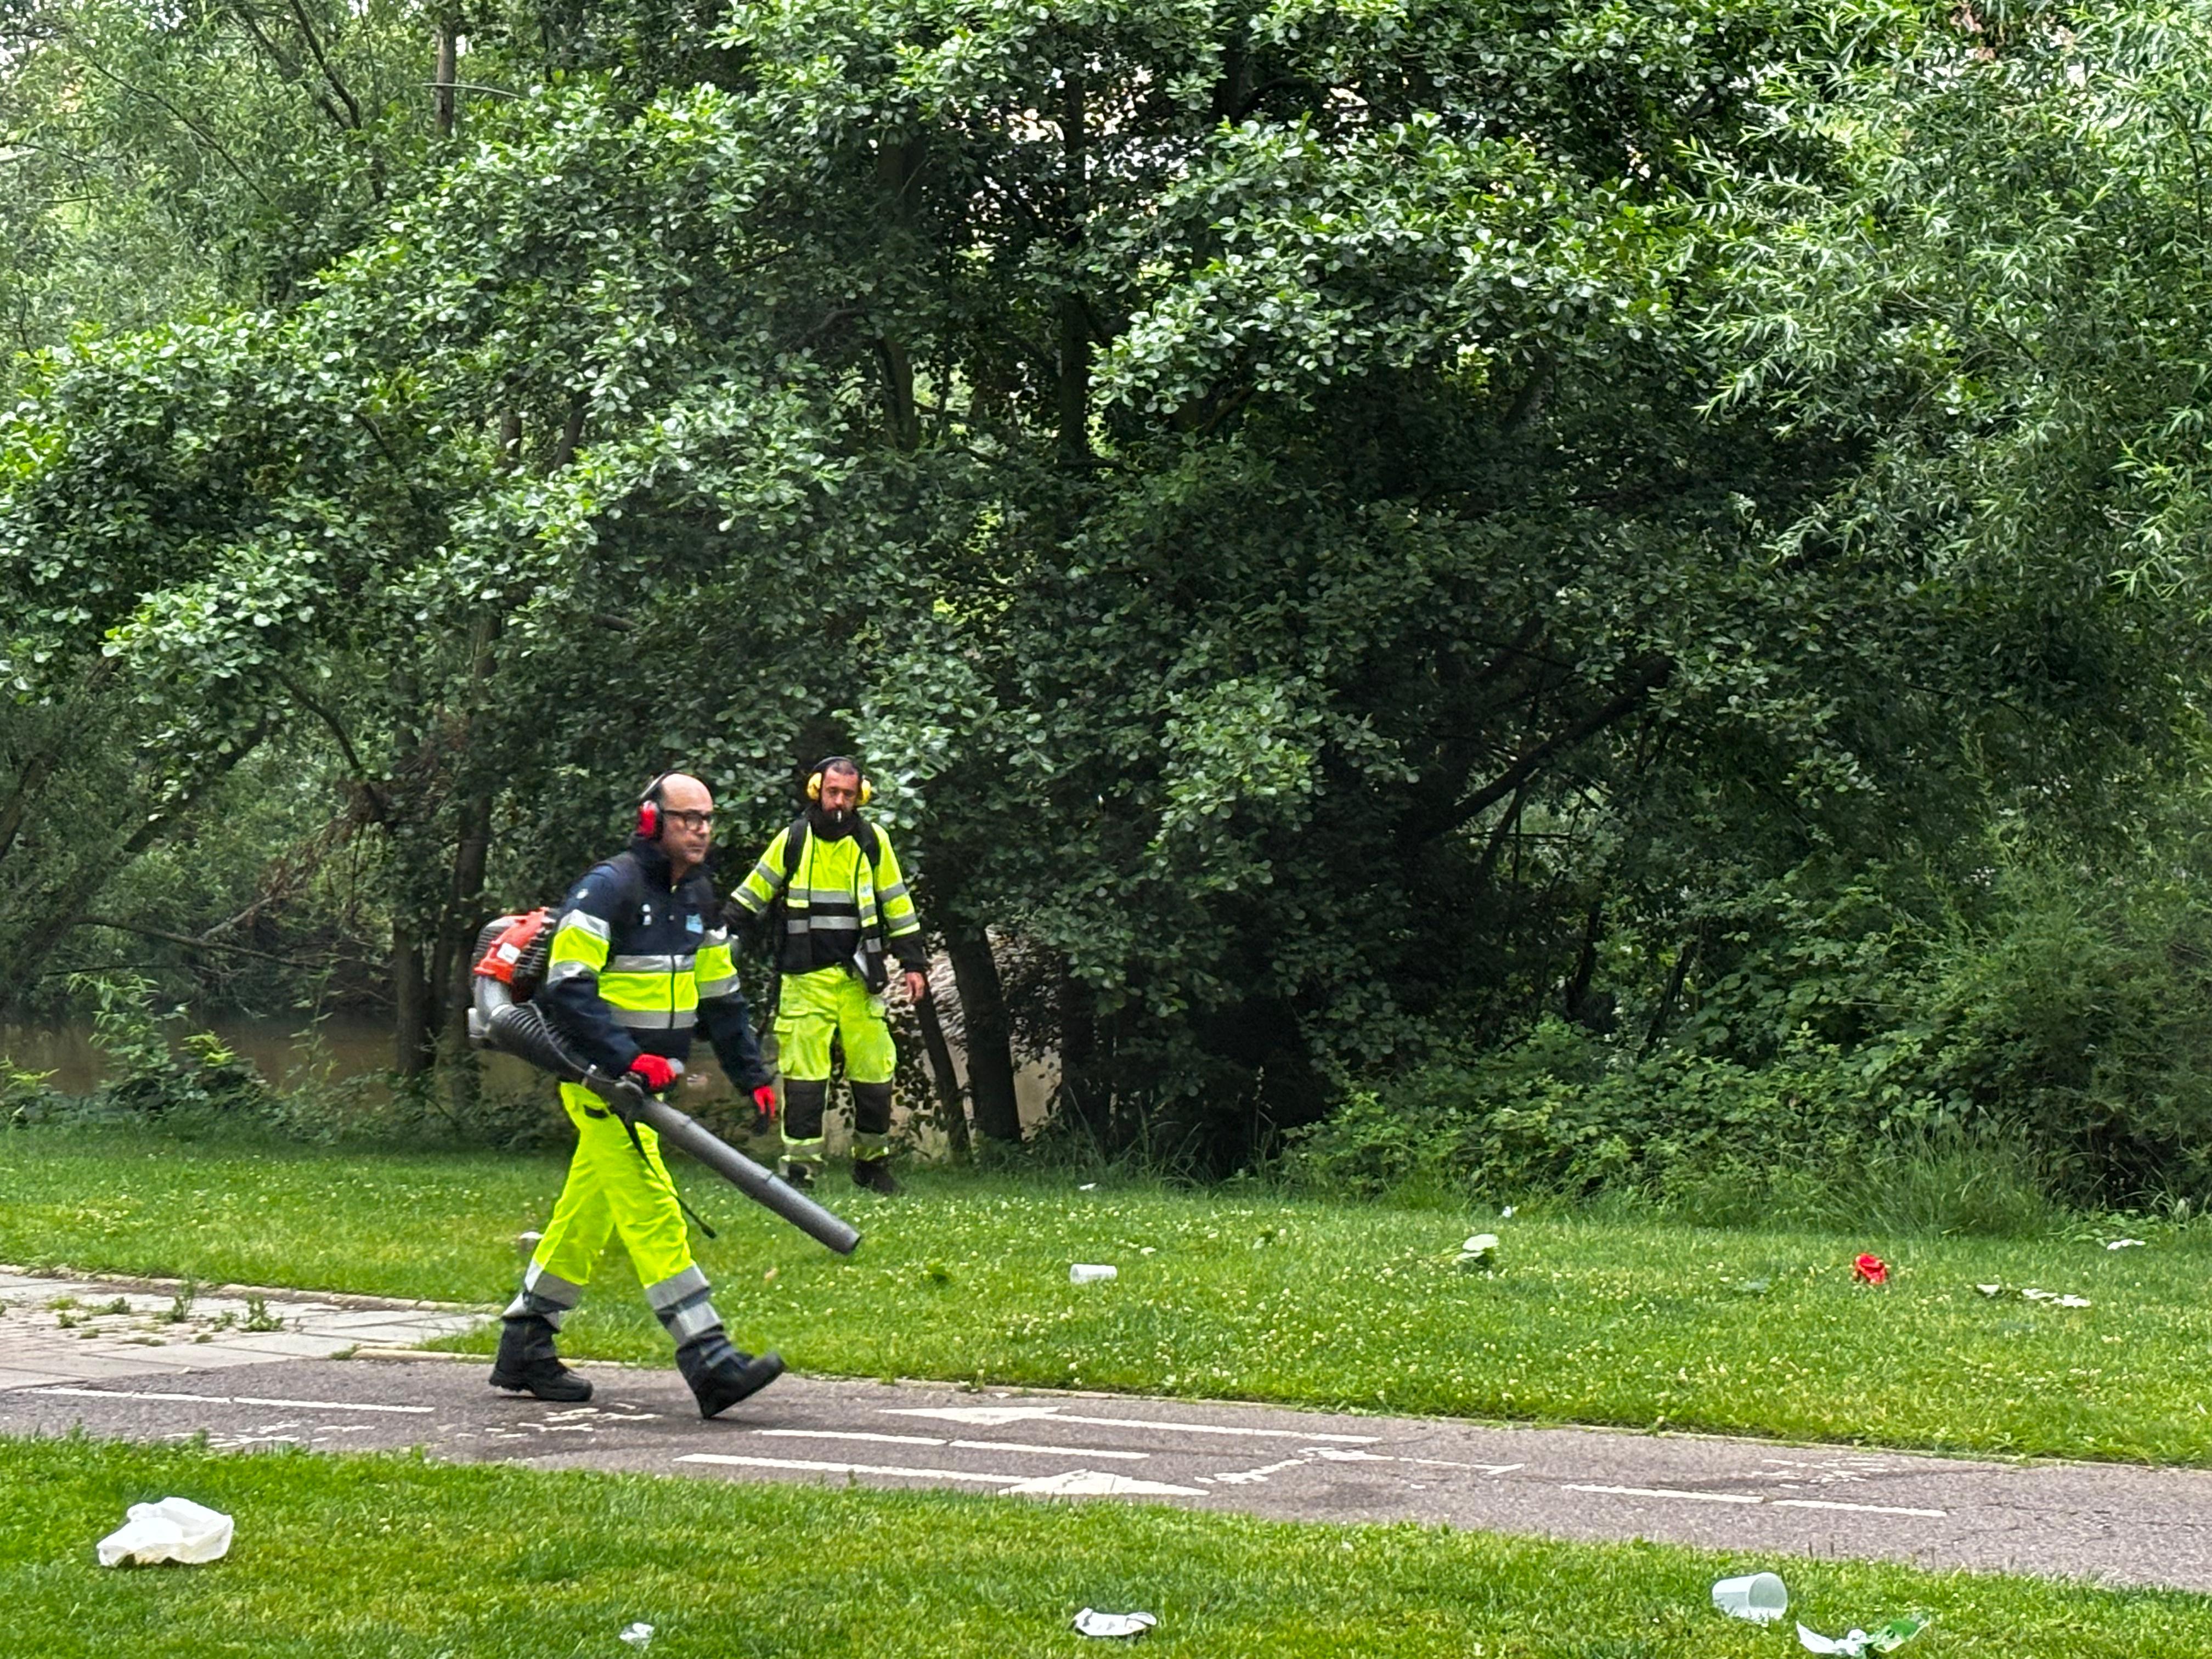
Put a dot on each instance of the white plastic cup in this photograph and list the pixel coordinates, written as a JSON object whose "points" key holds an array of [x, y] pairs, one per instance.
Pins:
{"points": [[1090, 1272], [1760, 1596]]}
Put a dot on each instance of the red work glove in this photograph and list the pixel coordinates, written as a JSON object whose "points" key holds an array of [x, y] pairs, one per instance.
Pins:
{"points": [[764, 1101], [656, 1072]]}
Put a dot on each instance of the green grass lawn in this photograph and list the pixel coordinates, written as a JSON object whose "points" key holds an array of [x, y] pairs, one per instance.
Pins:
{"points": [[402, 1559], [1617, 1322]]}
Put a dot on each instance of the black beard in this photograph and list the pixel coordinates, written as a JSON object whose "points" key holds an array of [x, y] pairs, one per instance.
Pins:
{"points": [[830, 826]]}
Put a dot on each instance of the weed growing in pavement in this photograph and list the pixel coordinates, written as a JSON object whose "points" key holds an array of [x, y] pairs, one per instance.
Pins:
{"points": [[180, 1305], [258, 1317]]}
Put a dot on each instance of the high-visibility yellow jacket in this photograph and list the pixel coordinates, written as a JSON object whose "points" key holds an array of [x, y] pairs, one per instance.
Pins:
{"points": [[840, 905], [637, 962]]}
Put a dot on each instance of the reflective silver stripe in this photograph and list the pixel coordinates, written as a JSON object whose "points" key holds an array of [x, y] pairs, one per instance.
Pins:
{"points": [[795, 924], [827, 895], [584, 921], [667, 1292], [656, 1019], [571, 970], [713, 937], [711, 988], [550, 1287], [911, 924], [769, 873], [744, 898], [525, 1305], [687, 1325], [895, 890], [668, 964]]}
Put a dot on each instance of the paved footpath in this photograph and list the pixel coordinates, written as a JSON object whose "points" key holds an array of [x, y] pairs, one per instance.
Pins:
{"points": [[1756, 1499]]}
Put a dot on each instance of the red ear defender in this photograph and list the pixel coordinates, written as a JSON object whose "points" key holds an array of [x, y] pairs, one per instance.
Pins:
{"points": [[649, 809]]}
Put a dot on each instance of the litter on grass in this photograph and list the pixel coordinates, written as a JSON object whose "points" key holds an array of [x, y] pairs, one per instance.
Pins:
{"points": [[1870, 1270], [1883, 1638], [1991, 1290], [174, 1530], [2125, 1244], [2031, 1294], [1091, 1273], [1091, 1622], [1480, 1251], [639, 1635], [1759, 1597]]}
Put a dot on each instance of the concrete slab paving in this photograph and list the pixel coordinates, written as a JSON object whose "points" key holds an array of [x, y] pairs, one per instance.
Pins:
{"points": [[61, 1327]]}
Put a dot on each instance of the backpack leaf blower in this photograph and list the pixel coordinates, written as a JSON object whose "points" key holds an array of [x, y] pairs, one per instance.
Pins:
{"points": [[511, 954]]}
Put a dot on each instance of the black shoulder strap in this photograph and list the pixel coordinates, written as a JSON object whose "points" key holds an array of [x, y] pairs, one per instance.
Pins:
{"points": [[870, 848], [794, 847]]}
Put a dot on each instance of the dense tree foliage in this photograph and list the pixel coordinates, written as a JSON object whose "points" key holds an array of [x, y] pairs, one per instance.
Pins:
{"points": [[1341, 530]]}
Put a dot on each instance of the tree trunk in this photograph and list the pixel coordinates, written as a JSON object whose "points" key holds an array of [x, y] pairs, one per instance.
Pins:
{"points": [[1072, 393], [990, 1040], [1080, 1090], [415, 1044], [443, 92], [951, 1111]]}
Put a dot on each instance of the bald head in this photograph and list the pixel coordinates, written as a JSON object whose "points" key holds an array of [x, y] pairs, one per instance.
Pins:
{"points": [[687, 821]]}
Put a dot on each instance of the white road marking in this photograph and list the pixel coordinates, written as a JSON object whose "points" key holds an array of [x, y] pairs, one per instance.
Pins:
{"points": [[1093, 1483], [1858, 1509], [1333, 1455], [1754, 1497], [1254, 1477], [853, 1469], [969, 1445], [1446, 1463], [229, 1400], [993, 1416]]}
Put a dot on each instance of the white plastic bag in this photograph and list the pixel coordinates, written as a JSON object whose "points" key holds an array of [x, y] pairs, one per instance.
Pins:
{"points": [[174, 1530], [1091, 1622]]}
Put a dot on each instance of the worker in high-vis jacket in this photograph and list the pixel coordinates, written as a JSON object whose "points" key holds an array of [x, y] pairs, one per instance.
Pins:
{"points": [[639, 960], [831, 888]]}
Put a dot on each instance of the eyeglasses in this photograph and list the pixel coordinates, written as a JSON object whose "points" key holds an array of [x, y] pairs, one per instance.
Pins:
{"points": [[691, 820]]}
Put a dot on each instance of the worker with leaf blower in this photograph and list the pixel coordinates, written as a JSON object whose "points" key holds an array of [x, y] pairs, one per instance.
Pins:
{"points": [[639, 958], [843, 904]]}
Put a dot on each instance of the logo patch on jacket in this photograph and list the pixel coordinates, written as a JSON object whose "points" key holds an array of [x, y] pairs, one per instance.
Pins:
{"points": [[694, 925]]}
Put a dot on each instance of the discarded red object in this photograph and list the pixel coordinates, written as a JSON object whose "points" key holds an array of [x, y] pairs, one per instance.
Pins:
{"points": [[1871, 1269]]}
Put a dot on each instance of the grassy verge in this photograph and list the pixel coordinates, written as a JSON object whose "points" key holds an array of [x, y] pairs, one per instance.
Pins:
{"points": [[402, 1559], [1621, 1322]]}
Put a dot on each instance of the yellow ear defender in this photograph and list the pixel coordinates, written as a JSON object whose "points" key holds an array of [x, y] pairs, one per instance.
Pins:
{"points": [[814, 778]]}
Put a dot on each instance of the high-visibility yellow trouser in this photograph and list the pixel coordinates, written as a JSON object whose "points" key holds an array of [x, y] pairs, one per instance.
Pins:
{"points": [[830, 1001], [610, 1189]]}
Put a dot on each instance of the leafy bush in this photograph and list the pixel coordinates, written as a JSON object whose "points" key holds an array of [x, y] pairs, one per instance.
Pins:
{"points": [[1561, 1112], [149, 1073]]}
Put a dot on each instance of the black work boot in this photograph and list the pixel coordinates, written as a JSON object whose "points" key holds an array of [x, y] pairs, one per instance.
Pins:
{"points": [[798, 1176], [720, 1382], [527, 1365], [875, 1174]]}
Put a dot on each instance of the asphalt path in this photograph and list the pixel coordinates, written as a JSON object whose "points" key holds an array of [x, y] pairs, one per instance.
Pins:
{"points": [[1757, 1500]]}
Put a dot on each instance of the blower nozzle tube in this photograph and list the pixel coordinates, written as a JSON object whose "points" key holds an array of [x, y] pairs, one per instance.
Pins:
{"points": [[519, 1029]]}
